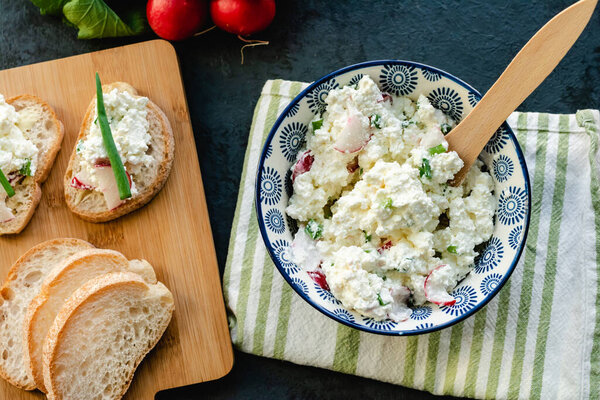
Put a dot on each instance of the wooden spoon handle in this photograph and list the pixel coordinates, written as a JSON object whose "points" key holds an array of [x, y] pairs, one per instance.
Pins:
{"points": [[526, 71]]}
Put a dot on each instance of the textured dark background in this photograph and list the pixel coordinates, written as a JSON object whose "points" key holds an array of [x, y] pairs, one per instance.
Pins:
{"points": [[472, 39]]}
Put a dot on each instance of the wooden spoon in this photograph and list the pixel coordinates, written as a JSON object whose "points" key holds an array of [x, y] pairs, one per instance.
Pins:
{"points": [[526, 71]]}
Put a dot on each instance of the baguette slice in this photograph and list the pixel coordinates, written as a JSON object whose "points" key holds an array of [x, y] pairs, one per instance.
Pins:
{"points": [[58, 286], [102, 334], [47, 134], [90, 205], [23, 283]]}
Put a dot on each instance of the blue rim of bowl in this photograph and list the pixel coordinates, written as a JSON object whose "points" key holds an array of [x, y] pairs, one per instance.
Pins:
{"points": [[263, 231]]}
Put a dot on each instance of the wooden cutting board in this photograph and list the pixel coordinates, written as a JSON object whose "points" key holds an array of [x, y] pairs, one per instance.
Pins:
{"points": [[172, 232]]}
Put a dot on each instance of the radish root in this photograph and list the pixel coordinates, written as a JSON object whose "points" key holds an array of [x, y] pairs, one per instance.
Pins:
{"points": [[250, 43], [205, 31]]}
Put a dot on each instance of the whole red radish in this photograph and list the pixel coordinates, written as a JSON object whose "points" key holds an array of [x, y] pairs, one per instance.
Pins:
{"points": [[176, 19], [242, 17]]}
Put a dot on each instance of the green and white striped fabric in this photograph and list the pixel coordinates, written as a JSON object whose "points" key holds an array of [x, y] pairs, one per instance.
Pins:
{"points": [[539, 338]]}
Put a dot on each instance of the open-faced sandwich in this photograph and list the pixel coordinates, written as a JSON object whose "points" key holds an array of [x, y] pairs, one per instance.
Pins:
{"points": [[123, 155], [30, 137]]}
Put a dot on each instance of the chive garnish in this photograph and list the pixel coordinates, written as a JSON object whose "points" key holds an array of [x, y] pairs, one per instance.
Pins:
{"points": [[380, 300], [425, 169], [388, 204], [367, 237], [111, 148], [317, 124], [375, 120], [26, 168], [6, 185], [314, 229], [445, 128], [439, 149], [451, 249]]}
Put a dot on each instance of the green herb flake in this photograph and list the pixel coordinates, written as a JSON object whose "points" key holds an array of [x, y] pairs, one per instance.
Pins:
{"points": [[408, 123], [314, 229], [445, 128], [384, 278], [360, 171], [439, 149], [367, 237], [388, 204], [6, 185], [452, 249], [380, 300], [317, 125], [425, 169], [26, 168], [375, 120], [79, 147], [367, 251]]}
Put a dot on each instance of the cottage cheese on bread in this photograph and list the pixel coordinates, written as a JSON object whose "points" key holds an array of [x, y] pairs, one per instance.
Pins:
{"points": [[376, 214]]}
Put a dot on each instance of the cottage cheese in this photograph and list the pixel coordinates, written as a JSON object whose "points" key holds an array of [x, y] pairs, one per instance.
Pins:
{"points": [[379, 217], [127, 116], [17, 150]]}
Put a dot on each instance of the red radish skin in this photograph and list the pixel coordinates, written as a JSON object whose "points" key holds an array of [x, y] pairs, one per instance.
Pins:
{"points": [[384, 247], [176, 19], [319, 277], [77, 184], [385, 97], [242, 17], [444, 299], [303, 165]]}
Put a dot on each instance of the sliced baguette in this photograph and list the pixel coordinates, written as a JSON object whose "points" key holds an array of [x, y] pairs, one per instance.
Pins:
{"points": [[90, 205], [46, 133], [23, 283], [101, 335], [58, 286]]}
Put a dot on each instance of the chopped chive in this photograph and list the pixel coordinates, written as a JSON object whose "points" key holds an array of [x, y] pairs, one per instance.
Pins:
{"points": [[6, 185], [375, 120], [367, 237], [445, 128], [439, 149], [407, 123], [317, 124], [452, 249], [314, 229], [380, 300], [360, 171], [388, 204], [79, 146], [367, 251], [425, 169], [111, 148], [384, 278], [26, 168]]}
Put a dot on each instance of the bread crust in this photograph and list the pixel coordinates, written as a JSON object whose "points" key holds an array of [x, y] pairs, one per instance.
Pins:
{"points": [[87, 293], [60, 272], [12, 275], [141, 199], [45, 163]]}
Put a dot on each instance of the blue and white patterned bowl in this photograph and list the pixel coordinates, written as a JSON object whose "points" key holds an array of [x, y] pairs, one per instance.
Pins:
{"points": [[502, 155]]}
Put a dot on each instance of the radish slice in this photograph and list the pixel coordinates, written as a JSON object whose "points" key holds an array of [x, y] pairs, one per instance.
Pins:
{"points": [[303, 165], [305, 252], [319, 277], [78, 184], [5, 212], [436, 291], [385, 96], [353, 137], [108, 186], [384, 247], [400, 311]]}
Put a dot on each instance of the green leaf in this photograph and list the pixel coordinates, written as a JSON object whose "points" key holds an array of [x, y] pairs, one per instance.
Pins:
{"points": [[50, 7], [439, 149], [95, 19], [26, 168], [425, 169], [452, 249], [317, 124], [314, 229]]}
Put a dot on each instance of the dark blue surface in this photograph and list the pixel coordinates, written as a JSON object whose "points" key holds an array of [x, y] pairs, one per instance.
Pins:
{"points": [[472, 39]]}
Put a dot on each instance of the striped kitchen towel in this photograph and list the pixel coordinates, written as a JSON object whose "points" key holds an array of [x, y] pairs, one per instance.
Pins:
{"points": [[538, 338]]}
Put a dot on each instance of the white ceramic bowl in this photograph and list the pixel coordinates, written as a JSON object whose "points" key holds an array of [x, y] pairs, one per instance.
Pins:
{"points": [[502, 155]]}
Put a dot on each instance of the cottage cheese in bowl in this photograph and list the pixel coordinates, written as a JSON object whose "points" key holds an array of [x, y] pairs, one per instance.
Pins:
{"points": [[378, 222]]}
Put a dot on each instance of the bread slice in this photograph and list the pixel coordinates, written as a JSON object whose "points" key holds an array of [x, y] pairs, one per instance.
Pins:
{"points": [[23, 283], [90, 205], [47, 134], [102, 334], [58, 286]]}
